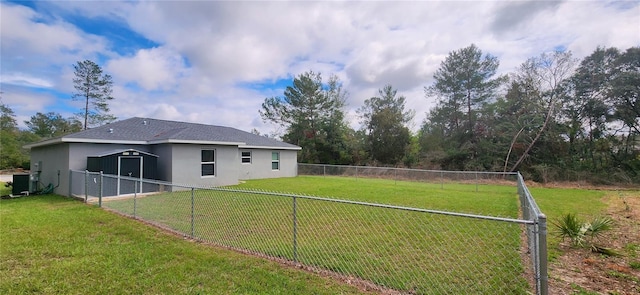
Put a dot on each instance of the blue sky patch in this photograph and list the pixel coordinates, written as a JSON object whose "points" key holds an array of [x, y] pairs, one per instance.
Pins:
{"points": [[267, 85]]}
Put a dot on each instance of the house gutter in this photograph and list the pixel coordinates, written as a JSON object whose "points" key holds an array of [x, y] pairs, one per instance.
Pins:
{"points": [[144, 142], [295, 148], [81, 140]]}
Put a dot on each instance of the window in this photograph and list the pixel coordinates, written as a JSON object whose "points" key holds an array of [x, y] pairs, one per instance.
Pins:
{"points": [[246, 157], [208, 162], [275, 161]]}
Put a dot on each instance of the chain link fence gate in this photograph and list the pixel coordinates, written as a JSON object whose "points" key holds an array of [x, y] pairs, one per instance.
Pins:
{"points": [[409, 250]]}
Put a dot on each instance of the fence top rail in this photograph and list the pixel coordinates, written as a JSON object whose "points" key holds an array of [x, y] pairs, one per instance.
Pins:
{"points": [[145, 180], [412, 169], [529, 198], [403, 208], [85, 172]]}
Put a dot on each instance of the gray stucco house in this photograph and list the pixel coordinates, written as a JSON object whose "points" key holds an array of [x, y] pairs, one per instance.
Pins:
{"points": [[177, 152]]}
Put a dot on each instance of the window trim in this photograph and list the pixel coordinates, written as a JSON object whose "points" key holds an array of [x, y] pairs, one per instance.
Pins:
{"points": [[202, 163], [275, 161], [243, 157]]}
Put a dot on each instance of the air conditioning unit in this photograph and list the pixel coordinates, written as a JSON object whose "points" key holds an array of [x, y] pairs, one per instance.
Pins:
{"points": [[21, 184]]}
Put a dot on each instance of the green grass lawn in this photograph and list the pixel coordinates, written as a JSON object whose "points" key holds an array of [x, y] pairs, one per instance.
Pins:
{"points": [[492, 200], [54, 245], [556, 202], [404, 250]]}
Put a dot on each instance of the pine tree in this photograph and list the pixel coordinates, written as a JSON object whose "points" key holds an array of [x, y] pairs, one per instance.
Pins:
{"points": [[94, 89]]}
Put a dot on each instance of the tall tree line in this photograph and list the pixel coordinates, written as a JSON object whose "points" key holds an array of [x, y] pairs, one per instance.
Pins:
{"points": [[555, 118]]}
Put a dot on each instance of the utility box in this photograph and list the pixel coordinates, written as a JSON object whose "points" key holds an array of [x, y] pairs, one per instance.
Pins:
{"points": [[21, 183], [37, 166], [34, 178]]}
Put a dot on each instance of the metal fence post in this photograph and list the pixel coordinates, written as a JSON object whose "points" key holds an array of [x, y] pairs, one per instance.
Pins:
{"points": [[192, 215], [70, 193], [395, 176], [86, 185], [135, 197], [100, 191], [324, 171], [295, 230], [356, 173], [441, 179], [542, 254], [476, 182]]}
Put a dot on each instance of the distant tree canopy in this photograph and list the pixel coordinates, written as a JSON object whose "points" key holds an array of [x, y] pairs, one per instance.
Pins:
{"points": [[554, 118], [384, 120], [52, 125], [12, 155], [464, 84], [312, 113], [559, 119]]}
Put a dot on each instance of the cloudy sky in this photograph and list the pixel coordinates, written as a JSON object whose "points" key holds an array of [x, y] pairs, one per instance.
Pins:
{"points": [[215, 62]]}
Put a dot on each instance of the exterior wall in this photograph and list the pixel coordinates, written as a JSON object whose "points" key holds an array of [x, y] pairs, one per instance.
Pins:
{"points": [[186, 169], [177, 163], [260, 166], [164, 165], [54, 158], [288, 163]]}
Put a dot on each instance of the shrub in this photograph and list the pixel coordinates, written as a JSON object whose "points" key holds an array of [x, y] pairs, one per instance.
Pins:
{"points": [[579, 232], [570, 227]]}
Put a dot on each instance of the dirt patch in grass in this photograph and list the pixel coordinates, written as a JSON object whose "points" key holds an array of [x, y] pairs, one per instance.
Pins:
{"points": [[583, 185], [580, 271]]}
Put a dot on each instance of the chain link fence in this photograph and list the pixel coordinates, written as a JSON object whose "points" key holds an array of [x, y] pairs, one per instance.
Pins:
{"points": [[444, 178], [392, 248], [536, 236]]}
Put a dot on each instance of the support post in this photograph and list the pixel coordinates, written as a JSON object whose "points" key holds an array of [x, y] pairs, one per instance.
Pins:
{"points": [[295, 231], [135, 198], [476, 182], [542, 255], [100, 191], [70, 191], [193, 230], [441, 179], [395, 176], [86, 185]]}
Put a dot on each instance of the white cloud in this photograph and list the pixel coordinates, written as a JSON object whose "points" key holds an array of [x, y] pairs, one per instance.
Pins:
{"points": [[166, 112], [204, 51], [26, 104], [152, 69], [25, 80], [30, 42], [599, 28]]}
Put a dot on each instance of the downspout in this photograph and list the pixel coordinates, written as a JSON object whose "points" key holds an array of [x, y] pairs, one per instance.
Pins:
{"points": [[57, 185]]}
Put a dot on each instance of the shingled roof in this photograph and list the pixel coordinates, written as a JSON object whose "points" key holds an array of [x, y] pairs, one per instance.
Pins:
{"points": [[146, 131]]}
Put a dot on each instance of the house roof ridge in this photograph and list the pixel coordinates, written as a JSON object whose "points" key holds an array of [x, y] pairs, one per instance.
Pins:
{"points": [[181, 122], [142, 130]]}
